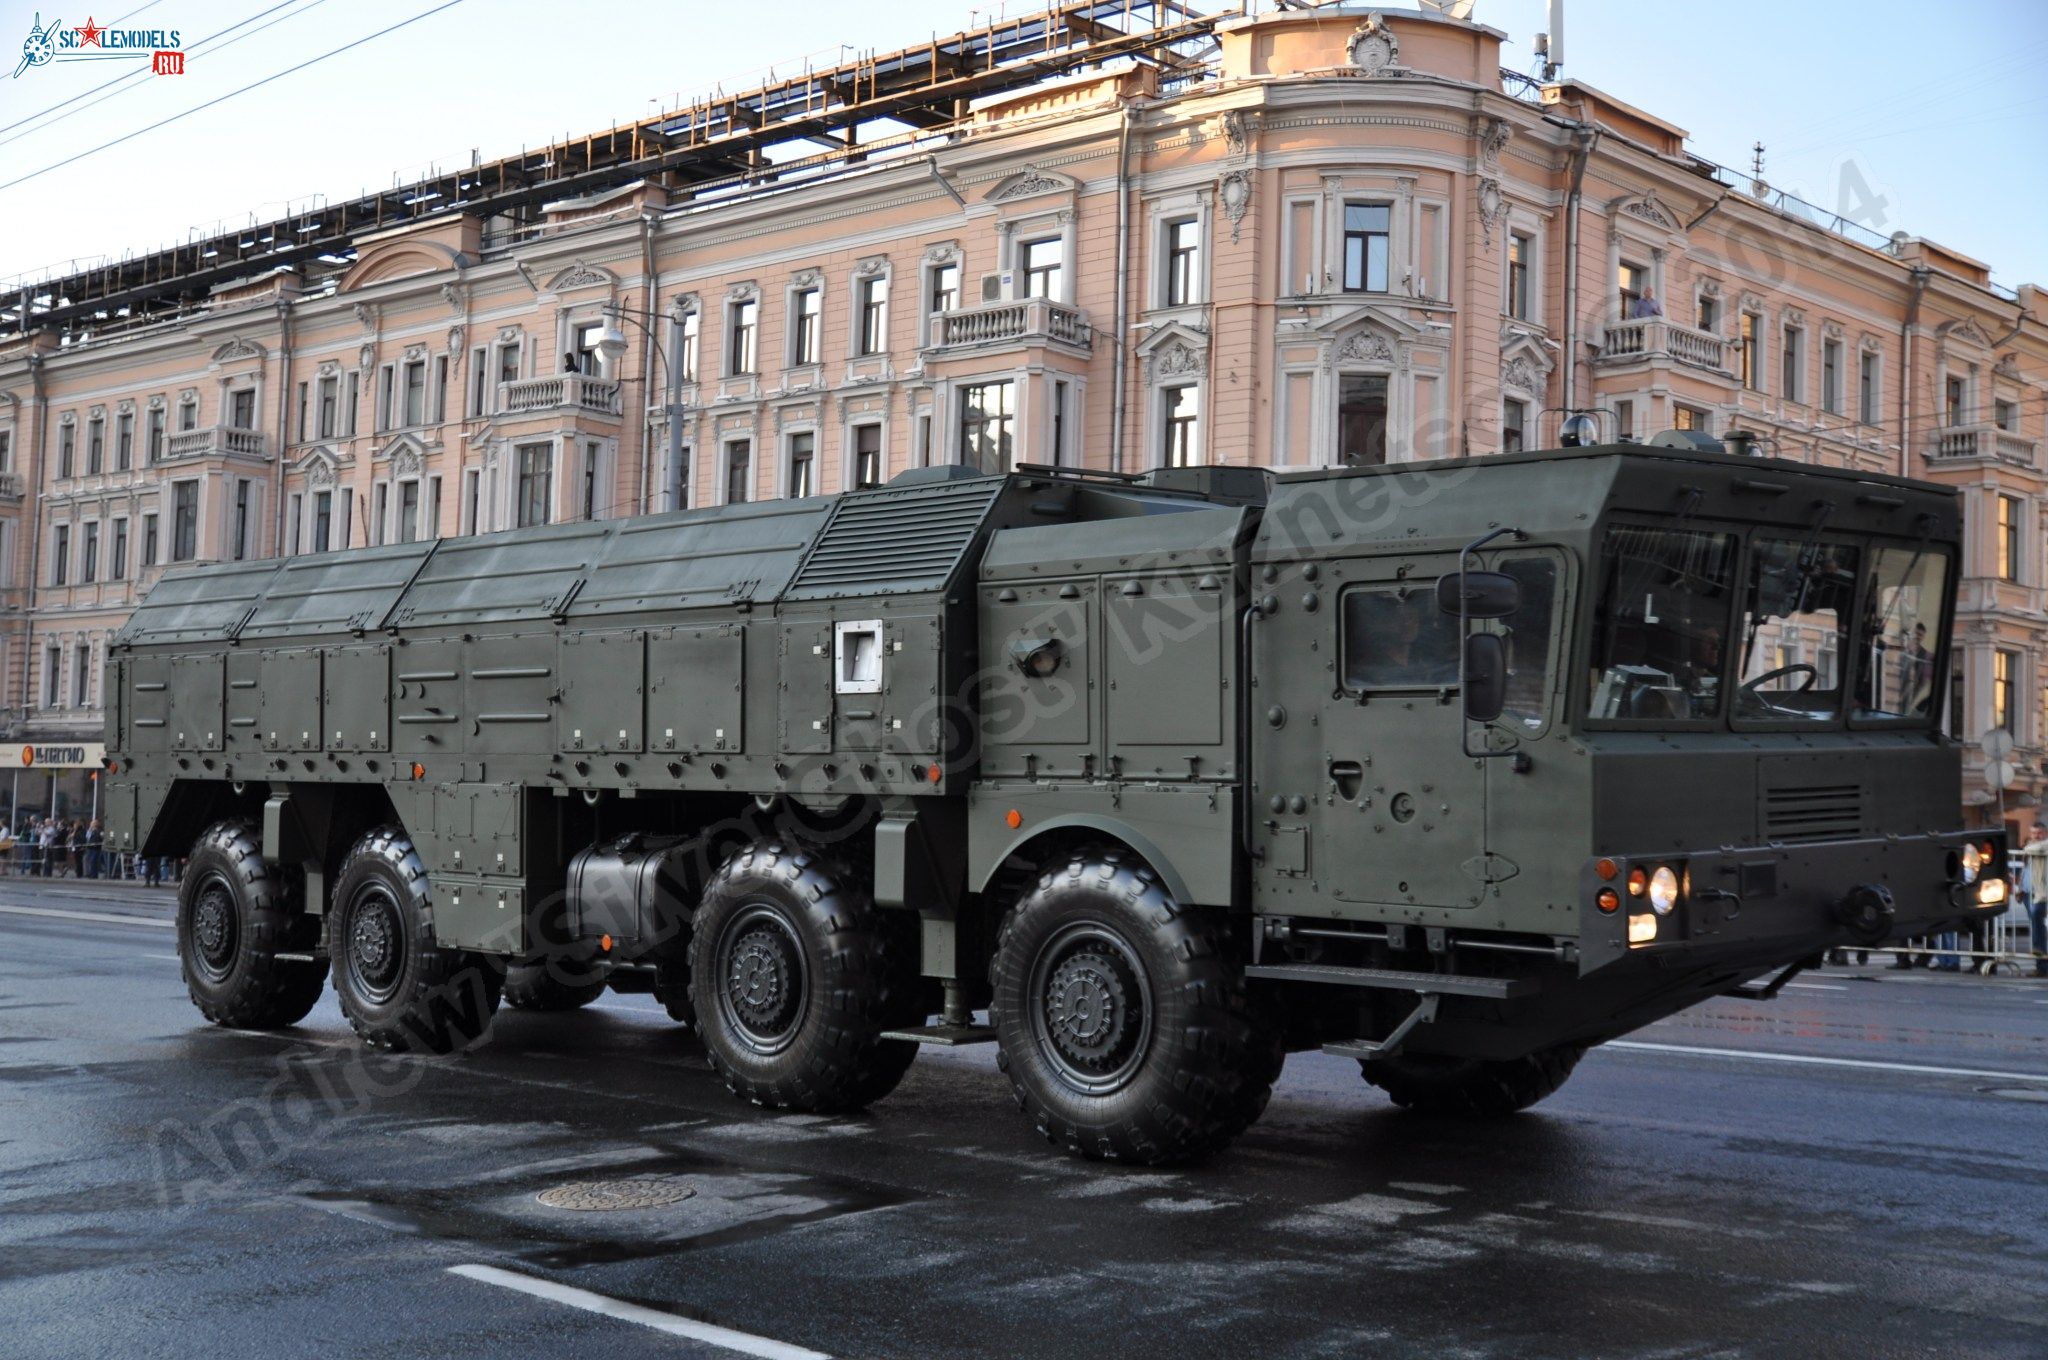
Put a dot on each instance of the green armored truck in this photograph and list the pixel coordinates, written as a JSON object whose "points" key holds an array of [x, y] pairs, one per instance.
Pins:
{"points": [[1456, 769]]}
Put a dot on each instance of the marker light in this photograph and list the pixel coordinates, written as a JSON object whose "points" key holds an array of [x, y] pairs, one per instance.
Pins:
{"points": [[1642, 929], [1607, 869], [1972, 861], [1991, 892], [1663, 890], [1638, 882], [1608, 900]]}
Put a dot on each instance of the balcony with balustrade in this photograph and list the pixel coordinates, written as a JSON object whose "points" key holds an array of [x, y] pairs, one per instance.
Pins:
{"points": [[1656, 339], [215, 441], [1000, 325], [1980, 444], [582, 393]]}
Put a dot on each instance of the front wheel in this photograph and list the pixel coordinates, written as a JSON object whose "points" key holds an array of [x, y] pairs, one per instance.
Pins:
{"points": [[236, 914], [1429, 1084], [400, 989], [1122, 1019]]}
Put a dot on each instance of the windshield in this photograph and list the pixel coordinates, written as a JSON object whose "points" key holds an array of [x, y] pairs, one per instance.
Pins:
{"points": [[1903, 595], [1660, 624], [1797, 606]]}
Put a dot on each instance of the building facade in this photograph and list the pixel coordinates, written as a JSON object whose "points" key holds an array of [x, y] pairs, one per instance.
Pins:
{"points": [[1341, 236]]}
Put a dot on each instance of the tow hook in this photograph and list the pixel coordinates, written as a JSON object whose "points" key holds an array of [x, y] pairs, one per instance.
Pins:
{"points": [[1866, 911]]}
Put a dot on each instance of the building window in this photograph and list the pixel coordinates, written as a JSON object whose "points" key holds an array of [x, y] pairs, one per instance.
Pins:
{"points": [[89, 553], [1710, 313], [1866, 387], [1366, 247], [2008, 538], [1179, 415], [149, 543], [1831, 377], [1633, 281], [67, 450], [1058, 449], [245, 518], [53, 673], [1954, 398], [986, 436], [944, 294], [60, 556], [153, 448], [1514, 420], [1792, 362], [2005, 415], [124, 441], [508, 362], [242, 409], [686, 351], [803, 449], [2005, 669], [408, 511], [593, 478], [81, 676], [380, 514], [1752, 351], [743, 325], [117, 567], [323, 520], [1691, 418], [739, 471], [1521, 253], [184, 521], [188, 414], [416, 393], [1624, 420], [1183, 261], [874, 314], [95, 445], [584, 355], [536, 483], [1362, 420], [804, 306], [1044, 261], [867, 455], [679, 480]]}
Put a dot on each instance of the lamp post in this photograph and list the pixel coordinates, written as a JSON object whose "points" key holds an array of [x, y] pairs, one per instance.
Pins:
{"points": [[612, 344]]}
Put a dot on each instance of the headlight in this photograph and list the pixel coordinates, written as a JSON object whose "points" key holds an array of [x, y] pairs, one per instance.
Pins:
{"points": [[1972, 860], [1642, 930], [1663, 890], [1991, 892]]}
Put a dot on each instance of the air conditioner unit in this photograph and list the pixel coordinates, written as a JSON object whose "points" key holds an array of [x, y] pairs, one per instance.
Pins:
{"points": [[1000, 286]]}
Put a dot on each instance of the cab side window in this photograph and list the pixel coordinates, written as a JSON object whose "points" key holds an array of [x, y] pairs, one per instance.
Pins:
{"points": [[1529, 632], [1395, 637]]}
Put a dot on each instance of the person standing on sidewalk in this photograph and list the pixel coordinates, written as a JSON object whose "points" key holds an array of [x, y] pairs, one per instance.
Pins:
{"points": [[2034, 869]]}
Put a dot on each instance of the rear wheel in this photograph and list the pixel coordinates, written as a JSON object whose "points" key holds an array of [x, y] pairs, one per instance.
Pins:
{"points": [[552, 985], [1122, 1017], [400, 989], [1429, 1084], [236, 914], [794, 974]]}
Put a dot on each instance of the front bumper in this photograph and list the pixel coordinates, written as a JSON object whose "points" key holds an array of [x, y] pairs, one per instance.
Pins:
{"points": [[1764, 905]]}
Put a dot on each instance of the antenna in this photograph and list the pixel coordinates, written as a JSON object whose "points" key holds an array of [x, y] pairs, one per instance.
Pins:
{"points": [[1553, 60]]}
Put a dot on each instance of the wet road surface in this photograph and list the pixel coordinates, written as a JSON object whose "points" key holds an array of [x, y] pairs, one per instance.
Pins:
{"points": [[1858, 1169]]}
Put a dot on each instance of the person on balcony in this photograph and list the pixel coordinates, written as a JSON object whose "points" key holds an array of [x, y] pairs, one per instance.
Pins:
{"points": [[1646, 305]]}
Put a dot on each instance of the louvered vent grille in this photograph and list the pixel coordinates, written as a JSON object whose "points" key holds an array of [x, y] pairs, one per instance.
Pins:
{"points": [[1813, 812], [896, 541]]}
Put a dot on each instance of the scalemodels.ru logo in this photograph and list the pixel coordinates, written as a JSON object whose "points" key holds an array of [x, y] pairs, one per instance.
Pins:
{"points": [[159, 46]]}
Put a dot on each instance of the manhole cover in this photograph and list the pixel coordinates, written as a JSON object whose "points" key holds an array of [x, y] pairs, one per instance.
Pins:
{"points": [[645, 1193], [2039, 1094]]}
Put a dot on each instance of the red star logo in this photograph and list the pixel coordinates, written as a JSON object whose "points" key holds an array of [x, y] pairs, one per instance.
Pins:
{"points": [[89, 36]]}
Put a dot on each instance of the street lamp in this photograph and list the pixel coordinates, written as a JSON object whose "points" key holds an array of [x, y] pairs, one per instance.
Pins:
{"points": [[612, 344]]}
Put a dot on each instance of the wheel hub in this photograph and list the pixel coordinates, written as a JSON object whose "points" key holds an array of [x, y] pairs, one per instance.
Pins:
{"points": [[1087, 1009], [213, 929], [759, 979], [376, 946], [1092, 1010]]}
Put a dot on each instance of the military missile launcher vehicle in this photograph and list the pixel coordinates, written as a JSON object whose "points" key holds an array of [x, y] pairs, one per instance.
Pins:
{"points": [[1456, 769]]}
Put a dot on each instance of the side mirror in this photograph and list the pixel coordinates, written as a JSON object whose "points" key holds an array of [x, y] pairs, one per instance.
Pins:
{"points": [[1486, 595], [1485, 676]]}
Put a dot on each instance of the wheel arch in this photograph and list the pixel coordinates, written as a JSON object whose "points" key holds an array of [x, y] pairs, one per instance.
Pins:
{"points": [[1068, 831]]}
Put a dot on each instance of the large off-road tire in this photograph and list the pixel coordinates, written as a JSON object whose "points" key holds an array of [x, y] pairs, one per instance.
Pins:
{"points": [[546, 986], [672, 990], [1472, 1086], [1122, 1017], [794, 975], [236, 914], [400, 990]]}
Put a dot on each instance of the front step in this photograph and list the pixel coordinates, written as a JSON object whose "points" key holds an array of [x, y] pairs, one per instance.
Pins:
{"points": [[1392, 979]]}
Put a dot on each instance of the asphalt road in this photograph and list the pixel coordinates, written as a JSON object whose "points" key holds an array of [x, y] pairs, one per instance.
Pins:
{"points": [[1857, 1169]]}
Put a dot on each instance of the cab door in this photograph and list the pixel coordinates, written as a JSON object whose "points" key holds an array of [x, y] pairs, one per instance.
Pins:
{"points": [[1401, 817]]}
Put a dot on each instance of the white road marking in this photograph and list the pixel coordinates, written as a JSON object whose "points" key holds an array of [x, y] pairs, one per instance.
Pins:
{"points": [[104, 916], [708, 1333], [1811, 1061]]}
